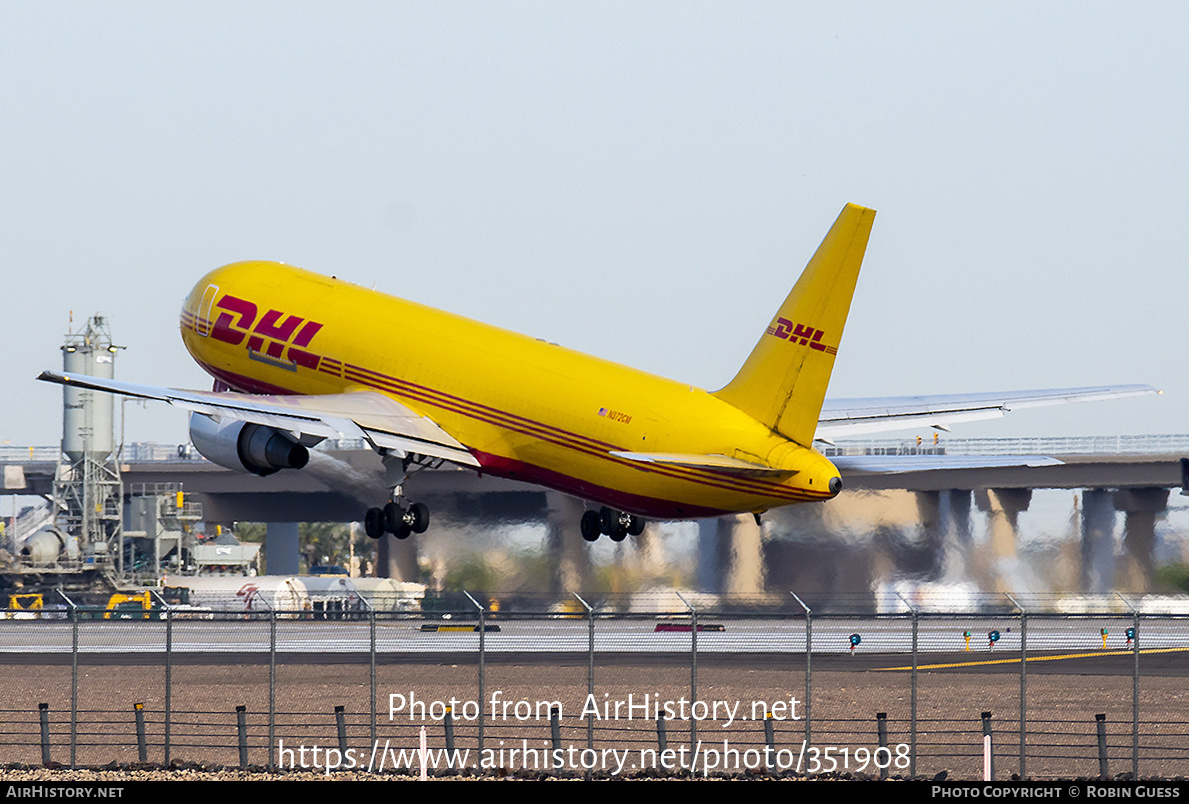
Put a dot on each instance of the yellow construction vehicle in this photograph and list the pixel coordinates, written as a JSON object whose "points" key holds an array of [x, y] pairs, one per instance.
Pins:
{"points": [[25, 606], [138, 606]]}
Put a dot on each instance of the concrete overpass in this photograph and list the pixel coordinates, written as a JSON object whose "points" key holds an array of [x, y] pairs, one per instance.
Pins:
{"points": [[1132, 474]]}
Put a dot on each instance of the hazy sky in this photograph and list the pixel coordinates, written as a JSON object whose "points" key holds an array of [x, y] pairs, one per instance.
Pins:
{"points": [[641, 181]]}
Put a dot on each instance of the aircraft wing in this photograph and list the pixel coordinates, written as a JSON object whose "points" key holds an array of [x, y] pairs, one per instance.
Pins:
{"points": [[847, 417], [380, 420]]}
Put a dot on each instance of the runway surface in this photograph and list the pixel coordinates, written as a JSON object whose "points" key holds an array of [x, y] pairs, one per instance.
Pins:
{"points": [[952, 644]]}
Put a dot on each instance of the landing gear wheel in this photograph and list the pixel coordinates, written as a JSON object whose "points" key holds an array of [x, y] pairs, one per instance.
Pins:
{"points": [[590, 526], [394, 518], [400, 522], [418, 517], [373, 523], [636, 525], [615, 524]]}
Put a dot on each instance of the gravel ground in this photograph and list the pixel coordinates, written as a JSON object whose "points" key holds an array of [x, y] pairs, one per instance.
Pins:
{"points": [[203, 699]]}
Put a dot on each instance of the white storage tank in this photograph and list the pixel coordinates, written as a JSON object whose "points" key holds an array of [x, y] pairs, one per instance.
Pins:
{"points": [[87, 415]]}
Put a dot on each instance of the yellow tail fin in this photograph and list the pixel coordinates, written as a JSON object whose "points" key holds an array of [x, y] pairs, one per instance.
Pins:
{"points": [[783, 382]]}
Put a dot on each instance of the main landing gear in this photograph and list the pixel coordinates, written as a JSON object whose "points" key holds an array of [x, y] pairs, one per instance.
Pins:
{"points": [[615, 524], [396, 519]]}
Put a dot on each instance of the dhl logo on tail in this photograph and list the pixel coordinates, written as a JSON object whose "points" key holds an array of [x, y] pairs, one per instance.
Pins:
{"points": [[786, 330]]}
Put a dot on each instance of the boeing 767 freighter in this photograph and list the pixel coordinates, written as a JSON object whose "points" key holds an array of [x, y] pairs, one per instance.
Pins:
{"points": [[298, 357]]}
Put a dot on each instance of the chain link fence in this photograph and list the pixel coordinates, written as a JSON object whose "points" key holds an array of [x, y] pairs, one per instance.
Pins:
{"points": [[592, 689]]}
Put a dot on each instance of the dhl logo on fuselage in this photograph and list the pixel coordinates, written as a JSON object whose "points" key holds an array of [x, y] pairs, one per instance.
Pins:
{"points": [[267, 337], [801, 335]]}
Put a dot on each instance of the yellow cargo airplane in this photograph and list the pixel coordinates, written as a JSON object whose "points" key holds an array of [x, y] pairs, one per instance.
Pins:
{"points": [[298, 357]]}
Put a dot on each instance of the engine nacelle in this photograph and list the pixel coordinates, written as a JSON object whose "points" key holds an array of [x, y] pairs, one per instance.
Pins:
{"points": [[246, 447]]}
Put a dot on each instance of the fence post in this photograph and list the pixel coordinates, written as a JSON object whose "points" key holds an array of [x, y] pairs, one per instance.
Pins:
{"points": [[808, 670], [168, 684], [1023, 687], [912, 728], [1100, 719], [74, 688], [1135, 699], [881, 727], [555, 727], [43, 712], [272, 688], [769, 737], [988, 749], [448, 722], [372, 656], [73, 676], [482, 659], [241, 729], [166, 609], [1134, 689], [340, 722], [693, 675], [912, 765], [589, 669], [662, 739], [142, 752]]}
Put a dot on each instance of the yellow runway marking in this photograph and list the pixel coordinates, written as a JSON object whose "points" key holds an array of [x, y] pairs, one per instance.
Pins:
{"points": [[1016, 660]]}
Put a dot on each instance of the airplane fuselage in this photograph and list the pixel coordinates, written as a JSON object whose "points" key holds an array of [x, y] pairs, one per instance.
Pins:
{"points": [[526, 409]]}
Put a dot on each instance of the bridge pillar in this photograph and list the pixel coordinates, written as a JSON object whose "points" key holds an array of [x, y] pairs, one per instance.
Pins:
{"points": [[745, 566], [945, 524], [1141, 507], [731, 555], [566, 548], [711, 557], [956, 514], [397, 558], [281, 548], [1098, 541], [929, 514], [1003, 508]]}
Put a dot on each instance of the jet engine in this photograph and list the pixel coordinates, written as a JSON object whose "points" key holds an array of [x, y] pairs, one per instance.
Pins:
{"points": [[246, 447]]}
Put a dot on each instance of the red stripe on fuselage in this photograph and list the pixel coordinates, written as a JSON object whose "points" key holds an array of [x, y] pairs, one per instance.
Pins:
{"points": [[577, 442], [549, 433], [621, 500]]}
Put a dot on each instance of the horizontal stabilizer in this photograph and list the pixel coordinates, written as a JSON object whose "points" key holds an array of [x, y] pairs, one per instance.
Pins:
{"points": [[715, 463], [847, 417], [900, 464]]}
